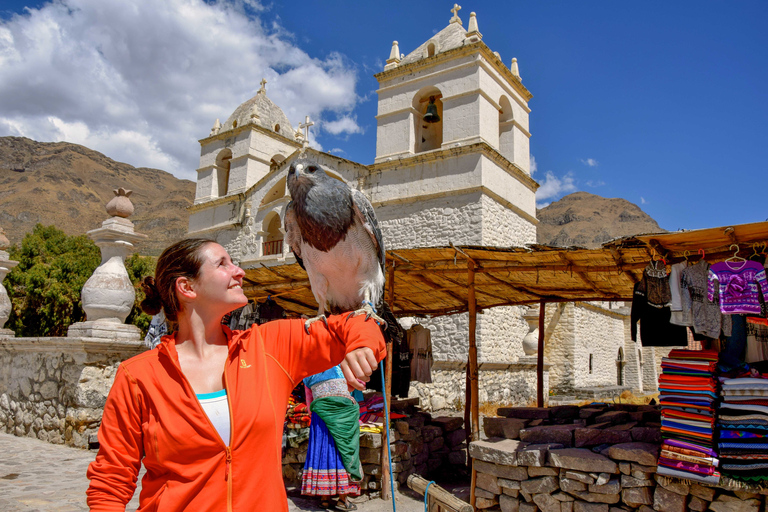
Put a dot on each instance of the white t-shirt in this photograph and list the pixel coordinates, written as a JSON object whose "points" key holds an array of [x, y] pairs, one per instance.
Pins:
{"points": [[216, 406]]}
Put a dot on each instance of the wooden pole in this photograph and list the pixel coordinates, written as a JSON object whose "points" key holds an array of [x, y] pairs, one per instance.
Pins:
{"points": [[386, 491], [540, 358], [472, 368], [438, 498]]}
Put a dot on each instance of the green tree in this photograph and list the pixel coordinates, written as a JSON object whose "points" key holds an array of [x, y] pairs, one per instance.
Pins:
{"points": [[138, 267], [45, 287]]}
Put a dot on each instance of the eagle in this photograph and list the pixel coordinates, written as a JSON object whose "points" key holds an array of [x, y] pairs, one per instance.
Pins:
{"points": [[333, 232]]}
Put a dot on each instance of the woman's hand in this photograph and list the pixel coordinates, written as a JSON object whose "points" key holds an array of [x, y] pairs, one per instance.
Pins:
{"points": [[358, 366]]}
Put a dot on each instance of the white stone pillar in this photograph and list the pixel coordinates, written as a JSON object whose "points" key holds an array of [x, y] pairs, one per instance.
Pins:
{"points": [[6, 266], [108, 295]]}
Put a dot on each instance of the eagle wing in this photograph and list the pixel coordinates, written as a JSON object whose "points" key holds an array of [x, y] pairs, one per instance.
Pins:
{"points": [[367, 217], [293, 233]]}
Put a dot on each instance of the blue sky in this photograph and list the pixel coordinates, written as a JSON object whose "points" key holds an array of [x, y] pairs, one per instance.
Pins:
{"points": [[660, 103]]}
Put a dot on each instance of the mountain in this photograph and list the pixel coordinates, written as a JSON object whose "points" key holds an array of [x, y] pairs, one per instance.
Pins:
{"points": [[586, 220], [68, 185]]}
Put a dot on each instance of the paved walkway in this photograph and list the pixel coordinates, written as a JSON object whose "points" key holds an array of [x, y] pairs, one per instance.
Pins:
{"points": [[42, 477]]}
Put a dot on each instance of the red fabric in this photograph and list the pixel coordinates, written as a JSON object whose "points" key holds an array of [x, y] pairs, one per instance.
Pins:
{"points": [[152, 413], [669, 413], [697, 355]]}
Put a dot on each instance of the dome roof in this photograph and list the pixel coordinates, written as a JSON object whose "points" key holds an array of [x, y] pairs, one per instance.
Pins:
{"points": [[270, 115], [450, 37]]}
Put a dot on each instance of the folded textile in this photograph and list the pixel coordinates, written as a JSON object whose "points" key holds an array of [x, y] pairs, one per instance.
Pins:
{"points": [[696, 355], [689, 458], [673, 413], [695, 426], [701, 469], [743, 446], [690, 446], [708, 479], [741, 434], [744, 380], [727, 407]]}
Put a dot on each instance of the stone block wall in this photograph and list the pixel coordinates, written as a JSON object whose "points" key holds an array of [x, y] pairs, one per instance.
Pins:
{"points": [[590, 459], [418, 444], [54, 389]]}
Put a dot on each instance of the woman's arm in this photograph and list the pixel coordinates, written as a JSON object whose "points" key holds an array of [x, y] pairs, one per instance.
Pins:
{"points": [[114, 472], [356, 341]]}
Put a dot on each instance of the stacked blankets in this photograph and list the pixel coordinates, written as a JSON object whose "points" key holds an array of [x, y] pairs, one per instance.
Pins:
{"points": [[688, 396], [743, 424]]}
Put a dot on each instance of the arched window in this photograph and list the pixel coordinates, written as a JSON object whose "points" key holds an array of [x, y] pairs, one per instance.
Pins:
{"points": [[275, 162], [431, 50], [273, 239], [590, 364], [274, 193], [506, 135], [277, 127], [428, 119], [223, 160]]}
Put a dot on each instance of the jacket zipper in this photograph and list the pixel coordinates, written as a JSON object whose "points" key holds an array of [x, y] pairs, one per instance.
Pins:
{"points": [[227, 451]]}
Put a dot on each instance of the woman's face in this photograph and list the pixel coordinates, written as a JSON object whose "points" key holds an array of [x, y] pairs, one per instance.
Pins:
{"points": [[219, 282]]}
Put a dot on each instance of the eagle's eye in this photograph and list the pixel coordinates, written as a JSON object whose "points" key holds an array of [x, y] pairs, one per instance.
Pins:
{"points": [[311, 169]]}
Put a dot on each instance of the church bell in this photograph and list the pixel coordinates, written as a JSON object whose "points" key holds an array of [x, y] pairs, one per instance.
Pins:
{"points": [[431, 115]]}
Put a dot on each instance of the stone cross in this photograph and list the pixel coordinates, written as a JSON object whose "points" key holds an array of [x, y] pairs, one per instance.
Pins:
{"points": [[263, 84], [305, 126], [455, 11]]}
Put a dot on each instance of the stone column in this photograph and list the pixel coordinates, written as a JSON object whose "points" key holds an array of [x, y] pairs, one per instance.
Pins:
{"points": [[531, 340], [108, 295], [6, 266]]}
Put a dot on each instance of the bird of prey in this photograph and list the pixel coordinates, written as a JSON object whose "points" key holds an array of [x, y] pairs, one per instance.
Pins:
{"points": [[332, 230]]}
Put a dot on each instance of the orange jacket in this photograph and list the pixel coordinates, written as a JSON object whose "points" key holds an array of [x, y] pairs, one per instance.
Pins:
{"points": [[152, 414]]}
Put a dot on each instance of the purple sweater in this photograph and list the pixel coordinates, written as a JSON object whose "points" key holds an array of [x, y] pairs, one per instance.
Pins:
{"points": [[738, 284]]}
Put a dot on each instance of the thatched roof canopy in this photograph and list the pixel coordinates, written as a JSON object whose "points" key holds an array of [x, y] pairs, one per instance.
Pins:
{"points": [[433, 280]]}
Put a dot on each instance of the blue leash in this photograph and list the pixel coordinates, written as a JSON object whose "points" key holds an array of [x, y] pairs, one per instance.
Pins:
{"points": [[389, 447], [426, 494]]}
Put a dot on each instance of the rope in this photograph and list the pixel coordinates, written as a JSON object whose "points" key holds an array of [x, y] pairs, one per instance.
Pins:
{"points": [[389, 447], [426, 494]]}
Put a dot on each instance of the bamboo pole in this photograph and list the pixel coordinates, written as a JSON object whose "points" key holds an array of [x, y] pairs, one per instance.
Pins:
{"points": [[540, 358], [472, 366], [437, 497], [386, 491]]}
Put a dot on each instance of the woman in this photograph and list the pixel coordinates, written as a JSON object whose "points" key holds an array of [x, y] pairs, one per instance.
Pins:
{"points": [[333, 464], [199, 456]]}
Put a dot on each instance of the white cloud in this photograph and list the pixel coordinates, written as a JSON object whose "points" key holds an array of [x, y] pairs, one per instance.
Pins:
{"points": [[534, 166], [553, 188], [142, 81], [591, 162], [594, 184], [642, 200], [345, 124], [337, 151]]}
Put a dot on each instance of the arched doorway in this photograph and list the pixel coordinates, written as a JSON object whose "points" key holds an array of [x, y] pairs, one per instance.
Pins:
{"points": [[620, 367]]}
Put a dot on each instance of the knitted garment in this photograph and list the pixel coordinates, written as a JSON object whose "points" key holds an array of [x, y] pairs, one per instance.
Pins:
{"points": [[738, 283], [706, 317]]}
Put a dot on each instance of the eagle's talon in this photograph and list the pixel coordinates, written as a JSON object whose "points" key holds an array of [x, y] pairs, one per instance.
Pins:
{"points": [[369, 313], [314, 319]]}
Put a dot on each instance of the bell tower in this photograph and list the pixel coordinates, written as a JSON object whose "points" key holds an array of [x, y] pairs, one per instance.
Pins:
{"points": [[452, 125]]}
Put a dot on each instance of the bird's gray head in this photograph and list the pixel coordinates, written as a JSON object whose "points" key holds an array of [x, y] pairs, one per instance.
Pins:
{"points": [[304, 174]]}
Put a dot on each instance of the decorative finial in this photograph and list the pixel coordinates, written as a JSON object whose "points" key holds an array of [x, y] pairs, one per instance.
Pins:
{"points": [[305, 126], [455, 11], [120, 205], [473, 33], [394, 54], [216, 127], [263, 88], [514, 69], [299, 135]]}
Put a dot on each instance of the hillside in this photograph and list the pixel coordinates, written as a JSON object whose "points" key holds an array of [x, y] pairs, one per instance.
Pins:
{"points": [[586, 220], [68, 185]]}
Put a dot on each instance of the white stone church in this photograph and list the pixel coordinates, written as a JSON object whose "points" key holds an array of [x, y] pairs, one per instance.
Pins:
{"points": [[461, 175]]}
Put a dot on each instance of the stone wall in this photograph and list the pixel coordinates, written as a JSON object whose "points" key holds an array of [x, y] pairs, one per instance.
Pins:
{"points": [[418, 444], [54, 389], [590, 459]]}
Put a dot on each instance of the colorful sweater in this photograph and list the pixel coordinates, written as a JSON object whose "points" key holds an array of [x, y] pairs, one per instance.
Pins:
{"points": [[738, 284]]}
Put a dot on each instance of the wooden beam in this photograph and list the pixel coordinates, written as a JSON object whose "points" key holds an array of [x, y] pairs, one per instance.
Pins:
{"points": [[544, 267], [584, 277], [617, 257], [540, 358], [473, 376], [289, 285]]}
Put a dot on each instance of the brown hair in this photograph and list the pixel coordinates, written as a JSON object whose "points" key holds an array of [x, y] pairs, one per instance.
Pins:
{"points": [[182, 259]]}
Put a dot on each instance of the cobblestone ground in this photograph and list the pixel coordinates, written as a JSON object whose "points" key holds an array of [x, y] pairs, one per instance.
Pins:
{"points": [[38, 476]]}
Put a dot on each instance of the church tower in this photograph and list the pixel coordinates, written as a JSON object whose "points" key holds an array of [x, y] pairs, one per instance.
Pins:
{"points": [[234, 157], [452, 137]]}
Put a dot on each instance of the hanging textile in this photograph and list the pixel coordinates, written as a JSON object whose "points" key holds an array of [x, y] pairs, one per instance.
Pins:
{"points": [[269, 310], [420, 344], [705, 313], [650, 306], [738, 283]]}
